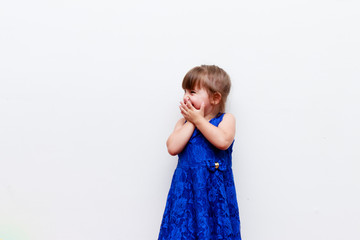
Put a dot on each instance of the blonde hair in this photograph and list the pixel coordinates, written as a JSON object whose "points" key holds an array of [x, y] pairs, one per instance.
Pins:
{"points": [[213, 78]]}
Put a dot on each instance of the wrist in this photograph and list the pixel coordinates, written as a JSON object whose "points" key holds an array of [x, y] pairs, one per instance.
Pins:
{"points": [[198, 121], [189, 123]]}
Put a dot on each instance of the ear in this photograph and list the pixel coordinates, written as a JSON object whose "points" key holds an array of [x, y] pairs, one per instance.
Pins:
{"points": [[215, 98]]}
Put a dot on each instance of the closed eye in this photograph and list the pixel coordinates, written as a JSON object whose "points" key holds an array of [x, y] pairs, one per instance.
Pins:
{"points": [[192, 91]]}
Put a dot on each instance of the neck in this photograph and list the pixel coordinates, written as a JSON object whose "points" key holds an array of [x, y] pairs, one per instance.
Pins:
{"points": [[212, 113]]}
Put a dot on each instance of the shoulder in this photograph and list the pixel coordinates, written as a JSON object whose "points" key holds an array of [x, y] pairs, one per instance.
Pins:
{"points": [[180, 123], [228, 118], [228, 121]]}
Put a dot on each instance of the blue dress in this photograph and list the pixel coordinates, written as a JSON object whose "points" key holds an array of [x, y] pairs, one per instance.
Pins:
{"points": [[202, 203]]}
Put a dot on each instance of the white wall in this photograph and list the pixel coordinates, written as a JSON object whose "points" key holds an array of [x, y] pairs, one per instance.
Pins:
{"points": [[89, 92]]}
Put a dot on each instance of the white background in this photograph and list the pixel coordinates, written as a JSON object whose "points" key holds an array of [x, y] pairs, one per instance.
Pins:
{"points": [[89, 92]]}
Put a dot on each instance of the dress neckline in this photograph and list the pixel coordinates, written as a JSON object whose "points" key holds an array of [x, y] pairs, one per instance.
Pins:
{"points": [[217, 116]]}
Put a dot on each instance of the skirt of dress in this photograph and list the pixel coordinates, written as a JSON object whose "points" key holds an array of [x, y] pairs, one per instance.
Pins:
{"points": [[201, 205]]}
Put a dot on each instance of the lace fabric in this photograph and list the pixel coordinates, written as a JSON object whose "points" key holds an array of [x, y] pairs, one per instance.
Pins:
{"points": [[201, 203]]}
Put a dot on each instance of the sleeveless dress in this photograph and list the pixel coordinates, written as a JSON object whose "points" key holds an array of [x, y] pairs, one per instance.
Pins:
{"points": [[201, 203]]}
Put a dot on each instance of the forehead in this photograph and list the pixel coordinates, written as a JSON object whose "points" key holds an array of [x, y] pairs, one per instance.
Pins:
{"points": [[197, 89], [197, 83]]}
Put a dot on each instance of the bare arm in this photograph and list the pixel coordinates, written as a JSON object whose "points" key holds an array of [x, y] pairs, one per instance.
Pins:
{"points": [[223, 135], [180, 136]]}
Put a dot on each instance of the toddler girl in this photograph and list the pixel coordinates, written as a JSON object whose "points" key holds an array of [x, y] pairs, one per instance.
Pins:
{"points": [[202, 203]]}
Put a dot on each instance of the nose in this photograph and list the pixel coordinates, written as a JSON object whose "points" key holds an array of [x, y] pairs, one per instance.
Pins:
{"points": [[186, 97]]}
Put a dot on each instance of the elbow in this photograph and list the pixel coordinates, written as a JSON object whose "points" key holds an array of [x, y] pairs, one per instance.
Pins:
{"points": [[172, 150], [224, 145]]}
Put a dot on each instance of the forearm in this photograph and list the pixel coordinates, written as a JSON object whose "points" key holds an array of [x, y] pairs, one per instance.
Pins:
{"points": [[215, 135], [179, 138]]}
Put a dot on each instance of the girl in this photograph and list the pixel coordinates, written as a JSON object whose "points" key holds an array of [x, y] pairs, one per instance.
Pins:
{"points": [[202, 203]]}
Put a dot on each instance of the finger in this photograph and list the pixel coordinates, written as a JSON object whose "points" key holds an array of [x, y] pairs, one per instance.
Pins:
{"points": [[189, 105], [183, 110], [202, 108], [184, 114], [184, 105]]}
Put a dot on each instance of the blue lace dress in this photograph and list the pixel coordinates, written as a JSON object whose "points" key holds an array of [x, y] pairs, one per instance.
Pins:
{"points": [[202, 203]]}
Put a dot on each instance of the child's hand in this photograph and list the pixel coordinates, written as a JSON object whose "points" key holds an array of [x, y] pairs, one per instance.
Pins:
{"points": [[190, 113]]}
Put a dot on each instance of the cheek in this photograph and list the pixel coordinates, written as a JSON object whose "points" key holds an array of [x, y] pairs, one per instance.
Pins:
{"points": [[196, 103]]}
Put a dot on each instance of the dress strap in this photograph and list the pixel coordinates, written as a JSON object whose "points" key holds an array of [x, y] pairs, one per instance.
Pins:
{"points": [[217, 119]]}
